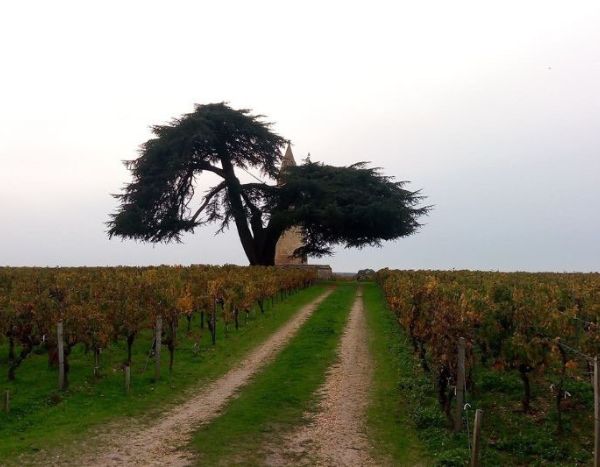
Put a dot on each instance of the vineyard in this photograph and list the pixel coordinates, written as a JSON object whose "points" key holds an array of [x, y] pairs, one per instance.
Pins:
{"points": [[541, 330], [81, 347], [58, 309]]}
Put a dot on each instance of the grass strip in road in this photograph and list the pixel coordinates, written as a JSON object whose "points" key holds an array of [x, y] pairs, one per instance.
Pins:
{"points": [[276, 399], [43, 419], [390, 427]]}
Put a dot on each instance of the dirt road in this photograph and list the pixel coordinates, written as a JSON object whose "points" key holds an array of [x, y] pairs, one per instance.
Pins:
{"points": [[164, 442], [335, 435]]}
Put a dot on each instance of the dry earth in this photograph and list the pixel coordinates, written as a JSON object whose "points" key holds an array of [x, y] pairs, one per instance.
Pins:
{"points": [[164, 441], [335, 434]]}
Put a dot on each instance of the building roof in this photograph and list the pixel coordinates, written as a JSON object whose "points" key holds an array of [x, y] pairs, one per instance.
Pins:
{"points": [[288, 158]]}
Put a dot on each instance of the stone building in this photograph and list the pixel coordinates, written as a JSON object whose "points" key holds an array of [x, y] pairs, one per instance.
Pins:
{"points": [[291, 238]]}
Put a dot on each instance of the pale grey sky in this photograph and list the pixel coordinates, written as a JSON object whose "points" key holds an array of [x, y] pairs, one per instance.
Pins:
{"points": [[492, 108]]}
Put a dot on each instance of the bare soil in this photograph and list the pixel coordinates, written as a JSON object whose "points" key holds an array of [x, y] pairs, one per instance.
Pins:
{"points": [[336, 434], [164, 442]]}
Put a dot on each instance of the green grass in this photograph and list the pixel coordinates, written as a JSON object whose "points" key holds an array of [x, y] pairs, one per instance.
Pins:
{"points": [[275, 401], [390, 428], [43, 419]]}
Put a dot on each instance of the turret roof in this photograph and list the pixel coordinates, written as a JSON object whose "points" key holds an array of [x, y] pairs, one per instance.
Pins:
{"points": [[288, 158]]}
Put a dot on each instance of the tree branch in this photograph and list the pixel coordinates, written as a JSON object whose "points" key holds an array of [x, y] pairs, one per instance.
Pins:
{"points": [[207, 199], [255, 217], [249, 203], [203, 165], [258, 186]]}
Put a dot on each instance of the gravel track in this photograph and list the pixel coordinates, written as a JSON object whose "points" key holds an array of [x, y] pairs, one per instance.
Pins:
{"points": [[335, 434]]}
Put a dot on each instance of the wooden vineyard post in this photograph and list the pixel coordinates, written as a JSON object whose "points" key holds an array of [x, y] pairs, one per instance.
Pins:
{"points": [[460, 385], [96, 363], [127, 379], [6, 401], [596, 414], [157, 346], [61, 356], [476, 438]]}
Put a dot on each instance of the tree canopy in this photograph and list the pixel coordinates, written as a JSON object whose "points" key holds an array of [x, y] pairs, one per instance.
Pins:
{"points": [[352, 206]]}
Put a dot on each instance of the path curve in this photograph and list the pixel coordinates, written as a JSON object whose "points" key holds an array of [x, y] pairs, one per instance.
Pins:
{"points": [[164, 442], [335, 435]]}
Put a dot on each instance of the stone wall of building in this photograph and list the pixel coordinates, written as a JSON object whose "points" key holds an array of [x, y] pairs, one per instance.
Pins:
{"points": [[323, 271], [287, 244]]}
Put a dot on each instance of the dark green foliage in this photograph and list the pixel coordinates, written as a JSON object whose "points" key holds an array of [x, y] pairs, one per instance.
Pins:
{"points": [[353, 206]]}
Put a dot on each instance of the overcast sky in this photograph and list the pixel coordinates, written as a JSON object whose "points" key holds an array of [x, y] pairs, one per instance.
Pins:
{"points": [[491, 108]]}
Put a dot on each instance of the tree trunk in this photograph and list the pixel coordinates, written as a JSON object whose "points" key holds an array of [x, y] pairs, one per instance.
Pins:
{"points": [[234, 192], [266, 259], [423, 357], [212, 324], [11, 350], [444, 396], [52, 356], [171, 344], [272, 233], [67, 366], [15, 362], [560, 392], [411, 328], [524, 373], [171, 348]]}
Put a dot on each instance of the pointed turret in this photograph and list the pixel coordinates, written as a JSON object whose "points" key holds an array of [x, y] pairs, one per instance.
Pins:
{"points": [[288, 158], [287, 161]]}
